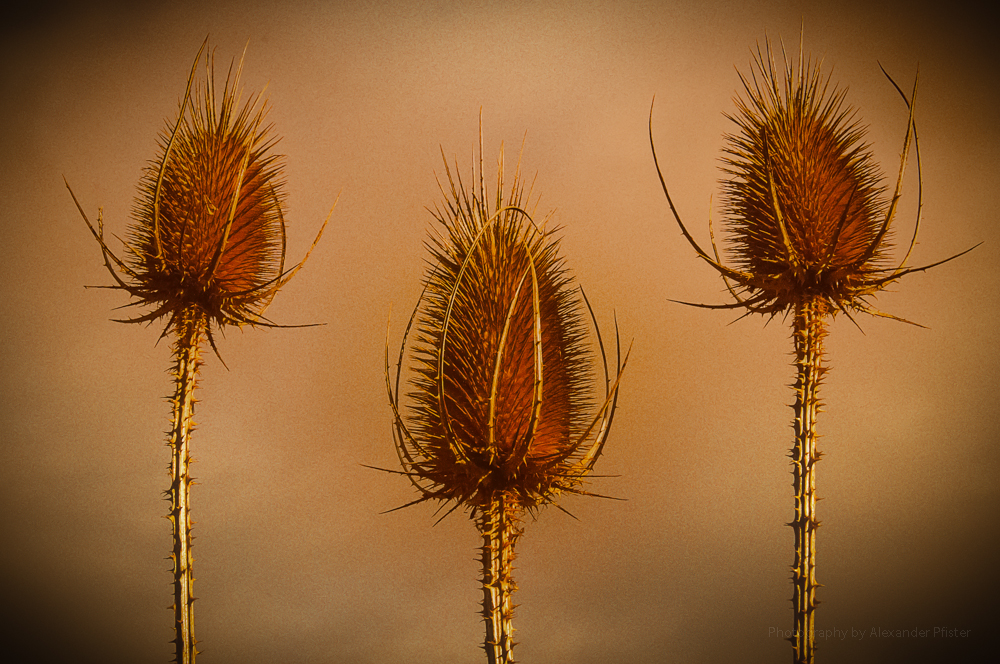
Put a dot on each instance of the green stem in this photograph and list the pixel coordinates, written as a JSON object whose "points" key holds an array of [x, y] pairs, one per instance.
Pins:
{"points": [[190, 327], [809, 329], [499, 524]]}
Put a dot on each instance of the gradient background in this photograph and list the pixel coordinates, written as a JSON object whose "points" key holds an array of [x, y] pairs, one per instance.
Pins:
{"points": [[293, 561]]}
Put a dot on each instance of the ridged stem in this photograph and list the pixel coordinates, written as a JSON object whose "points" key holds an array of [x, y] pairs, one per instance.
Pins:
{"points": [[809, 329], [190, 326], [499, 524]]}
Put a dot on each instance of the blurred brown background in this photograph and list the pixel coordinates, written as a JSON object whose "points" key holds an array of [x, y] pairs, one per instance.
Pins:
{"points": [[294, 563]]}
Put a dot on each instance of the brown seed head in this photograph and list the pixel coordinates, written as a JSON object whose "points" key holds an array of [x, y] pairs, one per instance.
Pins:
{"points": [[501, 385], [807, 214], [208, 229], [804, 202], [208, 235]]}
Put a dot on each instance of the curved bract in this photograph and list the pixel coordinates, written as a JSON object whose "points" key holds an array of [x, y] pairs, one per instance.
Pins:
{"points": [[501, 398]]}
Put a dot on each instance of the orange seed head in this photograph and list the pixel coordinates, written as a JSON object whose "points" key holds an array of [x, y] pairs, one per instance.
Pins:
{"points": [[804, 202], [208, 230], [501, 369]]}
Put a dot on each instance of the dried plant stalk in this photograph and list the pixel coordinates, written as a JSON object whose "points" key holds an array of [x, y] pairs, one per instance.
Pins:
{"points": [[206, 249], [497, 422], [810, 231], [809, 329], [499, 524], [187, 357]]}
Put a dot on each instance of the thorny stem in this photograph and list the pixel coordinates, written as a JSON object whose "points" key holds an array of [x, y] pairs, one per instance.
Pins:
{"points": [[191, 325], [809, 328], [499, 525]]}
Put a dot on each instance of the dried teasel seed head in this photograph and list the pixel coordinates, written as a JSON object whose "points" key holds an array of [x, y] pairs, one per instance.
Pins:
{"points": [[208, 228], [804, 202], [207, 238], [501, 388], [808, 218]]}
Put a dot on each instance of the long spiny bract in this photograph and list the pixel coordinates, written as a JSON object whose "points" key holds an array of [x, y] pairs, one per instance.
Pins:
{"points": [[498, 416]]}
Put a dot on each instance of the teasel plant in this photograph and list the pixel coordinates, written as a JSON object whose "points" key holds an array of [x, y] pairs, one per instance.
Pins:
{"points": [[501, 419], [810, 232], [205, 251]]}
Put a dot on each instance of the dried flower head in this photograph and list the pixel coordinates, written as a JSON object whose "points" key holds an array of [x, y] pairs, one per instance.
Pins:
{"points": [[208, 233], [808, 216], [804, 203], [500, 398]]}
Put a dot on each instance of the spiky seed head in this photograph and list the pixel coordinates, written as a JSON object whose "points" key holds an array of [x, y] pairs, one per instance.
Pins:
{"points": [[501, 368], [809, 221], [207, 239], [208, 227], [803, 201]]}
